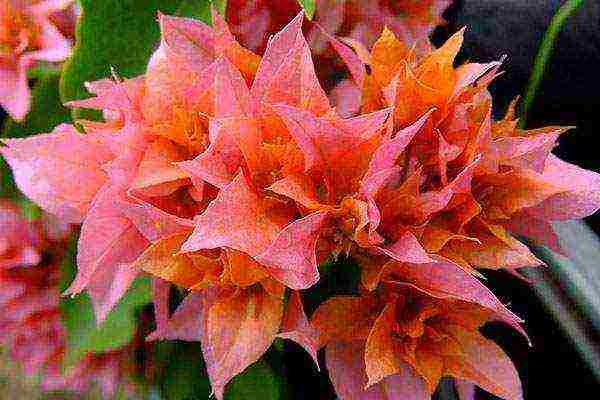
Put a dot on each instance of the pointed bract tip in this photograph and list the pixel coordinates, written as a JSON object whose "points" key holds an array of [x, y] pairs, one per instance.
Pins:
{"points": [[216, 17], [386, 31], [295, 23]]}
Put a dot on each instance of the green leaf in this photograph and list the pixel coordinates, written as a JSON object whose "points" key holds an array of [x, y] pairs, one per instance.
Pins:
{"points": [[220, 5], [200, 9], [184, 376], [46, 112], [43, 69], [569, 287], [112, 33], [309, 7], [339, 276], [258, 382], [544, 53], [7, 185], [30, 210], [84, 336]]}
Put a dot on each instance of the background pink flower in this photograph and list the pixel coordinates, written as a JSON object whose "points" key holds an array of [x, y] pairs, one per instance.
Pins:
{"points": [[31, 326], [28, 35]]}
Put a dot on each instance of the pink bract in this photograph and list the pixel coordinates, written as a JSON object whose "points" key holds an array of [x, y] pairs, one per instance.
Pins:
{"points": [[28, 35]]}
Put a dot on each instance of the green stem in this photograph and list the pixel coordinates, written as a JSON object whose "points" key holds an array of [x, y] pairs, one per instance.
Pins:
{"points": [[544, 53]]}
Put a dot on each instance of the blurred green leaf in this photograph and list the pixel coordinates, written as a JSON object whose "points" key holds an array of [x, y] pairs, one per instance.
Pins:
{"points": [[43, 69], [221, 5], [84, 336], [7, 185], [568, 8], [30, 210], [569, 287], [200, 9], [112, 33], [309, 7], [258, 382], [183, 376]]}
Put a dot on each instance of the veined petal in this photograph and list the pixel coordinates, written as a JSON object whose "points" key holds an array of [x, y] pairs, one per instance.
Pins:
{"points": [[152, 222], [45, 167], [447, 280], [380, 357], [484, 363], [238, 218], [581, 195], [239, 330], [291, 257], [107, 239], [295, 326], [286, 73], [15, 96]]}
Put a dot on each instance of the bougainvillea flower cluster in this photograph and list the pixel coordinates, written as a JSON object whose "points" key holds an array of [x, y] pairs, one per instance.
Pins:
{"points": [[30, 320], [231, 175], [30, 32]]}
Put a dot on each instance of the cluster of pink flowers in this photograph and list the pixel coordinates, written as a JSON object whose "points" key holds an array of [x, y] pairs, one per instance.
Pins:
{"points": [[30, 320], [31, 31], [231, 175]]}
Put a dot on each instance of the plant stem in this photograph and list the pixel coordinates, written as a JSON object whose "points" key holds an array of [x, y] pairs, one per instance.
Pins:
{"points": [[544, 53]]}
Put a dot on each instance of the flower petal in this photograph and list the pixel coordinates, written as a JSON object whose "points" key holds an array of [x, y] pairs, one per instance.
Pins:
{"points": [[237, 218], [295, 326], [484, 363], [45, 167], [445, 279], [107, 239], [108, 285], [161, 259], [240, 329], [345, 363], [380, 356], [291, 257], [15, 96], [152, 222], [407, 249], [581, 197], [286, 73]]}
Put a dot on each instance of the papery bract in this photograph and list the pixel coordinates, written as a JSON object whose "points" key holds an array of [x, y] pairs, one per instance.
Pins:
{"points": [[416, 338], [476, 179]]}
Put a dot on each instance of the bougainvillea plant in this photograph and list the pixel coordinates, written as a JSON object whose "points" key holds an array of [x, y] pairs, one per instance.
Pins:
{"points": [[227, 175]]}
